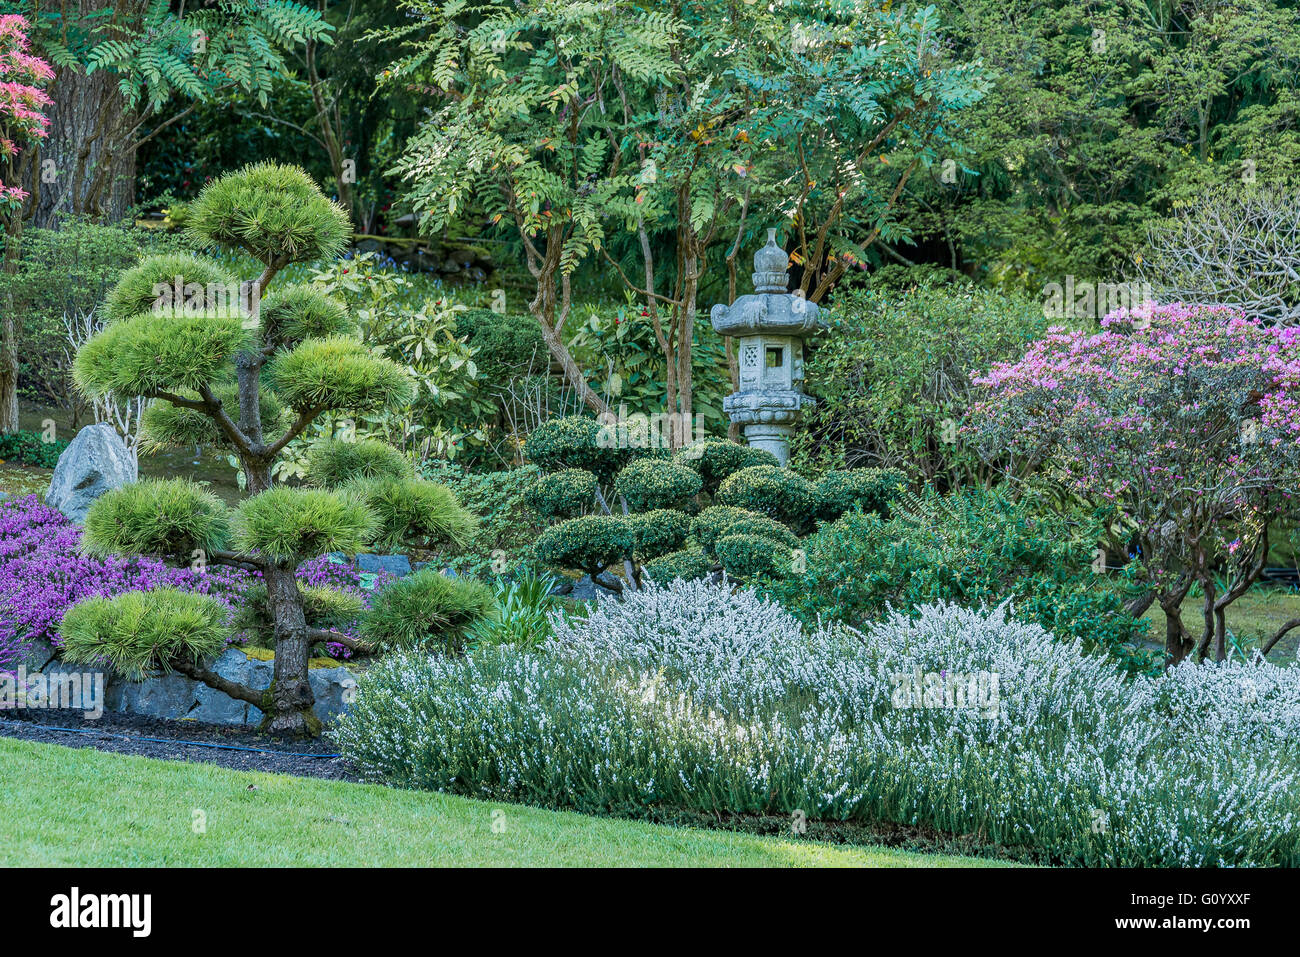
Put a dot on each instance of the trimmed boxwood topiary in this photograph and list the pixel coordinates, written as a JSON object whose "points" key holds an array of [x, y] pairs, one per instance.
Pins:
{"points": [[563, 494], [164, 517], [138, 631], [412, 511], [427, 610], [334, 462], [870, 489], [659, 532], [289, 524], [774, 491], [747, 556], [574, 442], [654, 484], [715, 460], [687, 564], [717, 520], [590, 543]]}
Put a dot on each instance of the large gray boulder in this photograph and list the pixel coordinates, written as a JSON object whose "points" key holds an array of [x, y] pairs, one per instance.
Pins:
{"points": [[96, 462]]}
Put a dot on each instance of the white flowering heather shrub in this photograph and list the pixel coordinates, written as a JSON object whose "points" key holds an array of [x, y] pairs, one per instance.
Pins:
{"points": [[691, 697]]}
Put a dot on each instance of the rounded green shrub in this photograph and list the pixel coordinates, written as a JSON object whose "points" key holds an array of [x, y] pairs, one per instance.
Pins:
{"points": [[147, 354], [508, 345], [871, 490], [137, 290], [563, 494], [774, 491], [649, 484], [747, 556], [686, 564], [338, 373], [717, 459], [138, 631], [167, 426], [273, 212], [334, 462], [410, 511], [427, 610], [718, 520], [167, 517], [589, 544], [301, 311], [289, 524], [574, 442], [659, 532]]}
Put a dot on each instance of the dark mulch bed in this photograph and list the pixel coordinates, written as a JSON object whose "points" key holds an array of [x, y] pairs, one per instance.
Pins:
{"points": [[179, 741]]}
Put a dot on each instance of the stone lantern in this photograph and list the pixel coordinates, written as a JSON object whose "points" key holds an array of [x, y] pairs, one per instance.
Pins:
{"points": [[769, 327]]}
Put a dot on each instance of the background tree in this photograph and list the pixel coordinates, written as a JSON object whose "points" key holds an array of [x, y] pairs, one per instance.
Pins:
{"points": [[1179, 422], [23, 102], [251, 381]]}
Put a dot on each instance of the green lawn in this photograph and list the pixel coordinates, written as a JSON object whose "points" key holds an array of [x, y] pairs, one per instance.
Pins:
{"points": [[64, 806], [1254, 616]]}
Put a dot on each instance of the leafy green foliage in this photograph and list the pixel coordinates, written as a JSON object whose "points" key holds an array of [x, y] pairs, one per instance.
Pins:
{"points": [[658, 532], [717, 459], [573, 442], [411, 511], [507, 528], [505, 346], [149, 354], [563, 494], [427, 610], [871, 490], [168, 517], [337, 374], [335, 462], [524, 606], [746, 556], [892, 378], [773, 491], [30, 448], [590, 543], [687, 564], [973, 548], [650, 484], [289, 524], [275, 213], [137, 631]]}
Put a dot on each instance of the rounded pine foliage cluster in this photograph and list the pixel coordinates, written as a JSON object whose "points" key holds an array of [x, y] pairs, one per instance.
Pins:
{"points": [[563, 494], [299, 312], [164, 517], [289, 524], [409, 510], [428, 611], [655, 484], [136, 290], [174, 426], [334, 462], [150, 353], [137, 631], [338, 373], [271, 211]]}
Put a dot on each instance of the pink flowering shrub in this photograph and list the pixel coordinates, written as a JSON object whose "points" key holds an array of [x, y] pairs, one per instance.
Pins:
{"points": [[1183, 422], [22, 100]]}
